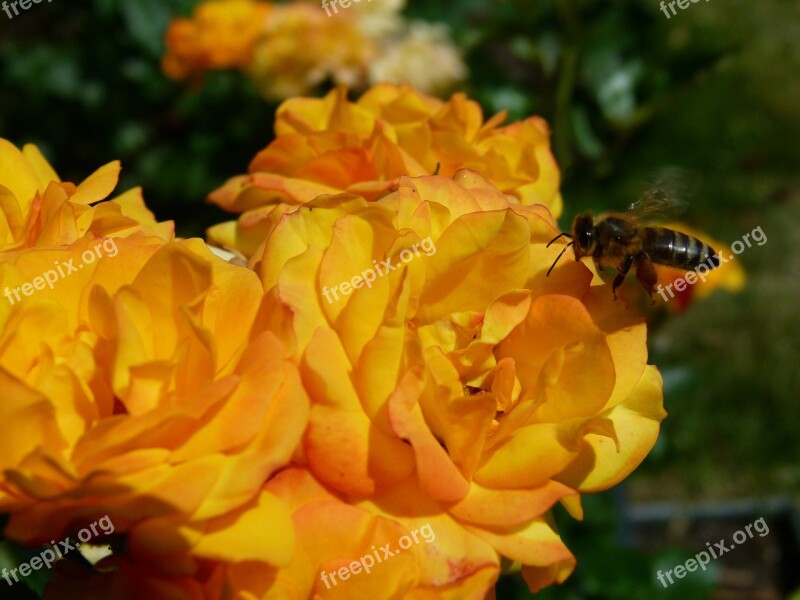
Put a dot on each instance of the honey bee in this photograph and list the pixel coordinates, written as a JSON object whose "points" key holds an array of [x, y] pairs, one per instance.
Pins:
{"points": [[625, 240]]}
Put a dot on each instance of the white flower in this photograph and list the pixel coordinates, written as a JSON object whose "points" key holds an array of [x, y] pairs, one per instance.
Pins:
{"points": [[426, 58]]}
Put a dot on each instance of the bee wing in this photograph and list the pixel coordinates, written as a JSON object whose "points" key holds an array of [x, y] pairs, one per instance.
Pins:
{"points": [[664, 196], [656, 204]]}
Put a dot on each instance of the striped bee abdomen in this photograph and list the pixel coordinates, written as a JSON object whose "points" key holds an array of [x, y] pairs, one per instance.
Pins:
{"points": [[675, 249]]}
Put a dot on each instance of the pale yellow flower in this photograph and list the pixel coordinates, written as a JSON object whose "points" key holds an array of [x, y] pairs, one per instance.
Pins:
{"points": [[426, 58]]}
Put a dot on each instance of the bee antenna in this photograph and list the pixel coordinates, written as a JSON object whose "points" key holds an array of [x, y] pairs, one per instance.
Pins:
{"points": [[558, 236], [558, 257]]}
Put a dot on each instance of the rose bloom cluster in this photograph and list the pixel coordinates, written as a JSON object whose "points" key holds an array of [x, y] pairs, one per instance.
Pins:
{"points": [[291, 48], [249, 438]]}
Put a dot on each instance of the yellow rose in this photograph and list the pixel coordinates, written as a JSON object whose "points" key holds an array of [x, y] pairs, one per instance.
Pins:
{"points": [[161, 557], [134, 391], [350, 550], [300, 47], [140, 383], [450, 379], [37, 209], [343, 551], [221, 35], [332, 145], [287, 49]]}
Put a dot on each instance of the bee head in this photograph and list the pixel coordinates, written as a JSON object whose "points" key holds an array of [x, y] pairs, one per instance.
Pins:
{"points": [[583, 235]]}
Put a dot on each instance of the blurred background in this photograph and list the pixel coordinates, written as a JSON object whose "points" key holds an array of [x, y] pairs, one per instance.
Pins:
{"points": [[712, 93]]}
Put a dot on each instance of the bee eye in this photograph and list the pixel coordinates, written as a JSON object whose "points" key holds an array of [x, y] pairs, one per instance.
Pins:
{"points": [[585, 238]]}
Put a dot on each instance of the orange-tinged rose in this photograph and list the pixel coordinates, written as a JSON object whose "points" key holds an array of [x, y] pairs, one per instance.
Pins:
{"points": [[287, 49], [130, 351], [343, 550], [146, 393], [333, 145], [348, 550], [450, 379], [157, 562], [220, 35], [140, 383], [37, 209]]}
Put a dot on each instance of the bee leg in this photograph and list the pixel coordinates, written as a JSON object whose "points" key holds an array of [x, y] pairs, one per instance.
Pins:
{"points": [[646, 274], [621, 273]]}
